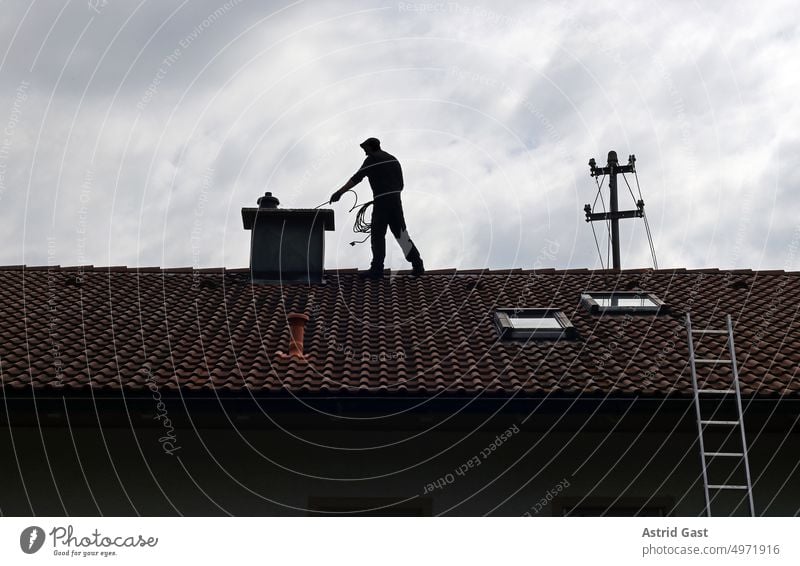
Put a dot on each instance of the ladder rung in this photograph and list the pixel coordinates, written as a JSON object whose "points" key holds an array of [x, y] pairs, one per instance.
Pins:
{"points": [[717, 391], [710, 361], [727, 487], [724, 423], [709, 331], [731, 454]]}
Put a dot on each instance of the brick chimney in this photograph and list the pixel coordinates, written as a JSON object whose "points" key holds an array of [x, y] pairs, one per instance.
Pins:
{"points": [[287, 245]]}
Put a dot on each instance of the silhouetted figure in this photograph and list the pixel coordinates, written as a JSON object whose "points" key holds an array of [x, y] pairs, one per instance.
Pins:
{"points": [[386, 179]]}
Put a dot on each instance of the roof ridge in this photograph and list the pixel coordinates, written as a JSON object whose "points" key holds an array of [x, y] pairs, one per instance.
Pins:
{"points": [[443, 271]]}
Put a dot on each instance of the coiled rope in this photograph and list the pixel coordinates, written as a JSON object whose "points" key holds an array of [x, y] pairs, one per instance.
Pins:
{"points": [[360, 226]]}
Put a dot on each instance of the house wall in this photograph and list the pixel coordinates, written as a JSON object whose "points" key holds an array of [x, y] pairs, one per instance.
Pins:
{"points": [[250, 471]]}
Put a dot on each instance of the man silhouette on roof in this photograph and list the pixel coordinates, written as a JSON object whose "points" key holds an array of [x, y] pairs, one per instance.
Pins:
{"points": [[386, 180]]}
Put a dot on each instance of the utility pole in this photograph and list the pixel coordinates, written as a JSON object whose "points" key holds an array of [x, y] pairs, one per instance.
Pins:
{"points": [[612, 169]]}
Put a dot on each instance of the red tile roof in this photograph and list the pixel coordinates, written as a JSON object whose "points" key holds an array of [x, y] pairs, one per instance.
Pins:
{"points": [[110, 328]]}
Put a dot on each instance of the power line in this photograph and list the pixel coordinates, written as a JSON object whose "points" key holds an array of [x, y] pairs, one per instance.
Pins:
{"points": [[644, 215]]}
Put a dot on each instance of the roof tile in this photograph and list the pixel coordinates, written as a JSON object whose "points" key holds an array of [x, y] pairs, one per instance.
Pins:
{"points": [[136, 326]]}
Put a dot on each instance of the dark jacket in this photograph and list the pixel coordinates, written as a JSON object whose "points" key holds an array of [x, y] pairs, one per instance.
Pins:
{"points": [[384, 172]]}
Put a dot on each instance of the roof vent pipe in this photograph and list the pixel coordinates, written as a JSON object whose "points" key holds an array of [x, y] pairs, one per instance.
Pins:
{"points": [[268, 201], [297, 330]]}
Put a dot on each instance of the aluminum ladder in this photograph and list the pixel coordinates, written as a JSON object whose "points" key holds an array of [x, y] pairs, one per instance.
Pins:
{"points": [[703, 423]]}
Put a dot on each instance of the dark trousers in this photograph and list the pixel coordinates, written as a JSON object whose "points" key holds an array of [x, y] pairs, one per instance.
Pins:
{"points": [[387, 212]]}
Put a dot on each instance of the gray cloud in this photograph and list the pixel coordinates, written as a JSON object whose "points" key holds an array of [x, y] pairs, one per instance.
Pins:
{"points": [[142, 129]]}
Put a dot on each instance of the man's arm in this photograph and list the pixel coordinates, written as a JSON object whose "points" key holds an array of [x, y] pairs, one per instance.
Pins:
{"points": [[354, 180], [346, 187]]}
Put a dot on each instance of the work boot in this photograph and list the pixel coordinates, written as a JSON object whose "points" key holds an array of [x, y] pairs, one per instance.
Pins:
{"points": [[372, 273], [417, 268]]}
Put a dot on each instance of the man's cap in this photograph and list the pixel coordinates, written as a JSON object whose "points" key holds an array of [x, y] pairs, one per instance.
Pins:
{"points": [[370, 143]]}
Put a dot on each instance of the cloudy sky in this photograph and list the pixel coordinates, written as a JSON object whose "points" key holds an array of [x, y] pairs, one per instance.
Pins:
{"points": [[132, 133]]}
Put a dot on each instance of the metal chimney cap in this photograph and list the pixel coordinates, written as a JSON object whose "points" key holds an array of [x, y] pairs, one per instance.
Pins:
{"points": [[268, 201]]}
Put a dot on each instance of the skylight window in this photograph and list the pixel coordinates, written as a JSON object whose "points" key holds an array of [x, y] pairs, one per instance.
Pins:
{"points": [[528, 323], [516, 324], [623, 302]]}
